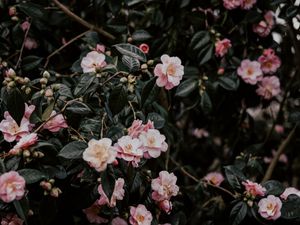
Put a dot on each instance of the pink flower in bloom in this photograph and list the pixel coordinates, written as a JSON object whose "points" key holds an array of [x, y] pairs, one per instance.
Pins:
{"points": [[269, 61], [11, 219], [166, 206], [247, 4], [92, 62], [254, 189], [56, 123], [138, 127], [268, 87], [118, 221], [100, 48], [12, 186], [250, 71], [92, 214], [25, 25], [118, 194], [164, 187], [24, 143], [222, 47], [99, 153], [30, 43], [289, 191], [140, 215], [214, 178], [144, 48], [153, 143], [169, 73], [269, 208], [264, 27], [129, 149], [231, 4]]}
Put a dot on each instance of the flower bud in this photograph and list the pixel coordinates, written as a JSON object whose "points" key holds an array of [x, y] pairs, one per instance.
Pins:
{"points": [[46, 74], [26, 80], [49, 93], [10, 73], [46, 185], [27, 90], [144, 66], [11, 84], [15, 18], [43, 80], [129, 40], [26, 153], [55, 192], [221, 71], [108, 53], [12, 11], [150, 62], [123, 80]]}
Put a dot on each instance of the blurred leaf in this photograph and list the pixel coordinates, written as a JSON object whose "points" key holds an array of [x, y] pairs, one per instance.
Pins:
{"points": [[273, 187], [48, 111], [186, 87], [15, 104], [205, 103], [158, 120], [22, 208], [73, 150], [292, 11], [290, 208], [141, 35], [132, 51], [31, 175], [117, 99], [238, 213], [31, 62], [33, 10], [228, 83]]}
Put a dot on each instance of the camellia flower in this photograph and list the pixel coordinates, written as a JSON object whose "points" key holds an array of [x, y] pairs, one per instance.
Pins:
{"points": [[118, 221], [129, 149], [153, 143], [12, 186], [56, 123], [254, 189], [214, 178], [99, 153], [92, 62], [24, 143], [140, 215], [92, 214], [250, 71], [289, 191], [222, 47], [269, 208], [30, 43], [100, 48], [169, 73], [264, 27], [138, 127], [268, 87], [118, 194], [144, 48], [231, 4], [269, 61], [11, 219], [247, 4]]}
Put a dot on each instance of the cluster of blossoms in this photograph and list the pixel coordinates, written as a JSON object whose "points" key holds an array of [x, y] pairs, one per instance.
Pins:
{"points": [[233, 4], [252, 73]]}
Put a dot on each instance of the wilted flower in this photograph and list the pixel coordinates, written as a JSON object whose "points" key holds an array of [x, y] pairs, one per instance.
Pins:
{"points": [[140, 215], [269, 208], [222, 47], [268, 87], [214, 178], [269, 61], [264, 27], [289, 191], [56, 123], [92, 62], [250, 71], [118, 194], [254, 189], [231, 4], [92, 214]]}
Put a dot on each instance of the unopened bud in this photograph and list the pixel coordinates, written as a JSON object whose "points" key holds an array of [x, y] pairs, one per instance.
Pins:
{"points": [[129, 40], [221, 71], [43, 80], [49, 93], [26, 80], [15, 18], [150, 62], [205, 78], [46, 74], [46, 185], [26, 153], [52, 181], [131, 79], [55, 87], [11, 84], [12, 11], [30, 212], [40, 154], [108, 53], [27, 90], [10, 73], [123, 80], [144, 66], [55, 192]]}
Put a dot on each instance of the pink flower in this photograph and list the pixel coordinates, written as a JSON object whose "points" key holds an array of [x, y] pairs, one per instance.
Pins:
{"points": [[138, 127], [231, 4], [214, 178], [118, 221], [144, 48], [269, 208], [264, 27], [12, 11], [10, 73], [12, 186], [129, 149], [222, 47], [254, 189], [165, 206], [56, 123], [164, 187], [100, 48], [25, 25], [30, 43], [279, 128], [250, 71], [92, 214], [24, 143], [140, 215], [169, 73], [289, 191], [200, 133], [247, 4], [118, 194], [92, 62], [11, 219], [268, 87], [269, 61], [99, 153]]}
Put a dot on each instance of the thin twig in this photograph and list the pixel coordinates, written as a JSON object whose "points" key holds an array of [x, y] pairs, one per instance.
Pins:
{"points": [[23, 45], [131, 106], [83, 22], [102, 125], [78, 134]]}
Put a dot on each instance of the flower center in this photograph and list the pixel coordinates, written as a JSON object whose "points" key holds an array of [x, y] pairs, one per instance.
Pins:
{"points": [[171, 70], [249, 71], [140, 218], [128, 148], [151, 141]]}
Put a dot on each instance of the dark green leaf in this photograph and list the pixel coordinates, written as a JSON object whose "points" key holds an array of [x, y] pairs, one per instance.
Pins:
{"points": [[133, 64], [31, 62], [238, 213], [141, 35], [73, 150], [234, 176], [290, 208], [79, 108], [132, 51], [15, 104], [206, 104], [292, 11], [22, 208], [117, 99], [206, 54], [31, 175], [186, 87], [273, 187], [228, 83], [199, 40], [158, 120], [33, 10], [48, 111], [84, 83], [108, 181]]}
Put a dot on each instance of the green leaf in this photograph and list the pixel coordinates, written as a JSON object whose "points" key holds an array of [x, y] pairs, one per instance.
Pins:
{"points": [[132, 51], [33, 10], [228, 83], [238, 213], [147, 89], [291, 11], [48, 111], [199, 40], [141, 35], [22, 208], [84, 83], [15, 104], [31, 175], [73, 150], [205, 103], [108, 181], [117, 99], [234, 175], [206, 54], [79, 108], [31, 62], [133, 64], [273, 187], [136, 182], [294, 117], [290, 208], [158, 120], [186, 87]]}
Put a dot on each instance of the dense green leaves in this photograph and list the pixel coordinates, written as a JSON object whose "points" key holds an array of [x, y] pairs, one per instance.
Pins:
{"points": [[31, 175], [73, 150]]}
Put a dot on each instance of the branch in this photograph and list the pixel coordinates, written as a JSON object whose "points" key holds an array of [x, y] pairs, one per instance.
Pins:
{"points": [[23, 45], [83, 22]]}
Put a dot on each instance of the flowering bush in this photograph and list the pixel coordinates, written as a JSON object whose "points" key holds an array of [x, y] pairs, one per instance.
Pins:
{"points": [[149, 112]]}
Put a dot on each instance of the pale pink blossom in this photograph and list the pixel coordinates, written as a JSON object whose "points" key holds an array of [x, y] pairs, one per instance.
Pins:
{"points": [[231, 4], [222, 47], [269, 61], [99, 153], [30, 43], [200, 133], [138, 127], [92, 214], [282, 158], [169, 73], [118, 221], [279, 129], [11, 219], [250, 71], [100, 48], [56, 123], [129, 149], [164, 187], [12, 11], [269, 208], [140, 215], [214, 178], [24, 143], [10, 73], [144, 48], [92, 62], [28, 110], [165, 206], [268, 87], [25, 25], [247, 4], [254, 189], [12, 186], [289, 191], [118, 194], [153, 143], [264, 27]]}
